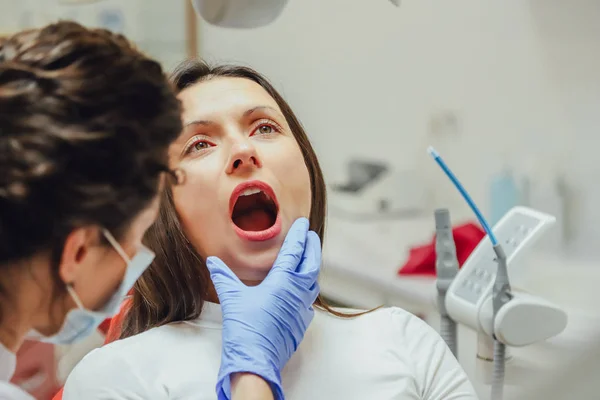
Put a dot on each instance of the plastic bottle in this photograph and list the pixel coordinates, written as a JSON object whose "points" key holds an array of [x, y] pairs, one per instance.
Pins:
{"points": [[504, 194]]}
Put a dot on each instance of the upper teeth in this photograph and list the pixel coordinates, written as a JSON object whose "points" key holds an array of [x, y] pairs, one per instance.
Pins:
{"points": [[250, 191]]}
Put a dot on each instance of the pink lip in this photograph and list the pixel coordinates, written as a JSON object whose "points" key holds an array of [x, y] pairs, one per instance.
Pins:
{"points": [[255, 236]]}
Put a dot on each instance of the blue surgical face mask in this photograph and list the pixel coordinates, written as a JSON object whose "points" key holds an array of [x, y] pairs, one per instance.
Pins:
{"points": [[81, 322]]}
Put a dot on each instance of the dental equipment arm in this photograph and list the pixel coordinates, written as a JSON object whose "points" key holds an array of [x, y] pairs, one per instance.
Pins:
{"points": [[500, 297], [446, 265], [514, 319], [501, 287]]}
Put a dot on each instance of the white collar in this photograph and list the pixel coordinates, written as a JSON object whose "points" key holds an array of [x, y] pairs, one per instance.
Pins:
{"points": [[211, 316], [211, 312], [8, 363]]}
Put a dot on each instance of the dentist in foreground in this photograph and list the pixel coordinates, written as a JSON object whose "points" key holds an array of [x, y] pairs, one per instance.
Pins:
{"points": [[85, 123]]}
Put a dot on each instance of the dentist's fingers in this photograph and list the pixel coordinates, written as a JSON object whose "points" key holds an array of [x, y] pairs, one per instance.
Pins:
{"points": [[307, 316], [313, 293], [291, 252], [222, 276], [310, 264]]}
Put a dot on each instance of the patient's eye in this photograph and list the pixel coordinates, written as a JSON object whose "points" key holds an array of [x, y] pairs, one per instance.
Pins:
{"points": [[197, 145], [266, 127], [201, 145]]}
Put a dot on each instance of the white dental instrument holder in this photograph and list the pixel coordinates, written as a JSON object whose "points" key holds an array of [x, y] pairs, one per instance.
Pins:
{"points": [[525, 319]]}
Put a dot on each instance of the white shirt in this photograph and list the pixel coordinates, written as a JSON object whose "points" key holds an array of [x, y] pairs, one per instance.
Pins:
{"points": [[8, 362], [387, 354]]}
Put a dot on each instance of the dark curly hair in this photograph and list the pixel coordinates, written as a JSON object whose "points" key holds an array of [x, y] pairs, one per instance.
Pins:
{"points": [[85, 124]]}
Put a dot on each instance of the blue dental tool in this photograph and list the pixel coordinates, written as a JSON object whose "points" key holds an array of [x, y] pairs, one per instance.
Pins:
{"points": [[501, 291]]}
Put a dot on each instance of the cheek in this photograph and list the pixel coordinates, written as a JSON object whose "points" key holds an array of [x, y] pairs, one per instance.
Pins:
{"points": [[297, 179], [305, 190], [198, 207], [101, 278]]}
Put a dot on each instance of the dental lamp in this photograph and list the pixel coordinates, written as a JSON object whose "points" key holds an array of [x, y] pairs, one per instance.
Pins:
{"points": [[479, 295], [241, 14]]}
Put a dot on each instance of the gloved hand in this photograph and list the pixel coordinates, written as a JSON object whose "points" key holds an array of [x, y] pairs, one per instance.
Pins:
{"points": [[263, 325]]}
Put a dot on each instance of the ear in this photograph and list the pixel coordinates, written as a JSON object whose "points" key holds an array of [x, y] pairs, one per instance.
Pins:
{"points": [[76, 251]]}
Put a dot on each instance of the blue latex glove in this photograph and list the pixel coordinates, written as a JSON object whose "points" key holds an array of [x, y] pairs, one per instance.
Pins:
{"points": [[263, 325]]}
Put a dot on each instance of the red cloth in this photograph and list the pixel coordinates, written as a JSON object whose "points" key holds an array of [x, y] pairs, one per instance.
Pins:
{"points": [[58, 396], [104, 326], [421, 260], [114, 330]]}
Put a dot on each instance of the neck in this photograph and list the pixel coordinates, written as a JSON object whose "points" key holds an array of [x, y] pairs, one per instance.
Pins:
{"points": [[251, 282], [13, 331], [21, 300], [14, 317], [212, 294]]}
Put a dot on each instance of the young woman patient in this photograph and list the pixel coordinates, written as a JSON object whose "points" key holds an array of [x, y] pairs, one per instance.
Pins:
{"points": [[250, 172]]}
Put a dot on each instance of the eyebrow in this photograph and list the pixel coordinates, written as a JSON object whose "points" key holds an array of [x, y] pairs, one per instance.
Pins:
{"points": [[198, 122], [259, 108], [246, 114]]}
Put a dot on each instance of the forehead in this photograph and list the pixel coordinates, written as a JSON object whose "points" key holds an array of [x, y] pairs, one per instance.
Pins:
{"points": [[223, 96]]}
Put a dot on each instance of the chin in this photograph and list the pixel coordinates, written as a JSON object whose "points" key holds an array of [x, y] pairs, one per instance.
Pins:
{"points": [[254, 266], [259, 225]]}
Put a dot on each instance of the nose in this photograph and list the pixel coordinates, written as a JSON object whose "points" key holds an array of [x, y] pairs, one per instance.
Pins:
{"points": [[243, 157]]}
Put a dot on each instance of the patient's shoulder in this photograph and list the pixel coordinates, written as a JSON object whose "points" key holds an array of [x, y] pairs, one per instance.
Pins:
{"points": [[133, 343], [100, 371], [118, 353], [129, 364], [405, 323], [383, 321], [381, 315]]}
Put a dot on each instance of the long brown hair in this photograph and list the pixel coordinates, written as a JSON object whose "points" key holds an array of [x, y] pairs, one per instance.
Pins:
{"points": [[177, 283]]}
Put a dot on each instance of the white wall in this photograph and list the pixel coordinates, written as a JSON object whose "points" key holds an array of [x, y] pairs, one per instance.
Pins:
{"points": [[367, 78], [157, 27], [569, 34]]}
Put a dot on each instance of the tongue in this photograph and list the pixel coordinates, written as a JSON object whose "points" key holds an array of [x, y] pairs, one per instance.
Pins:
{"points": [[255, 220]]}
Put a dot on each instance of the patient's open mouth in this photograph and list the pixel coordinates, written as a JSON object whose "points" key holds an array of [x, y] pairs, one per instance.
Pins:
{"points": [[254, 211]]}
